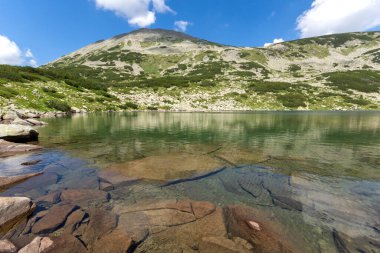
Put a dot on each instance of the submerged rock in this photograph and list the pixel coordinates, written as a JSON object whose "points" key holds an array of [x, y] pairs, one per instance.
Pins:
{"points": [[6, 182], [168, 166], [55, 218], [17, 133], [242, 222], [12, 210]]}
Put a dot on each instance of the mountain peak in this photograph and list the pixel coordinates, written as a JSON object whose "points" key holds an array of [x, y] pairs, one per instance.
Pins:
{"points": [[159, 33]]}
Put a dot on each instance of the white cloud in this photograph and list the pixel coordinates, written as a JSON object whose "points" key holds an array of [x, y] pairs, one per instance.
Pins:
{"points": [[335, 16], [161, 7], [275, 41], [29, 53], [11, 54], [181, 25], [140, 13]]}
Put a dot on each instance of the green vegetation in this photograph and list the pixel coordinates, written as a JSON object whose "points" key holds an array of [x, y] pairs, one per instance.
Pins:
{"points": [[335, 40], [360, 80], [58, 105], [129, 105], [7, 92], [263, 87], [292, 100]]}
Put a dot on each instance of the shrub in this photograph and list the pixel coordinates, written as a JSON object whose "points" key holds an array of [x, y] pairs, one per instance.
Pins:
{"points": [[294, 68], [58, 105], [129, 105], [292, 100]]}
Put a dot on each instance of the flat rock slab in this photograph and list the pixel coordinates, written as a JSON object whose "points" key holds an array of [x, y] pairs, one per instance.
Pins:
{"points": [[115, 242], [17, 133], [6, 182], [12, 210], [167, 167], [54, 219], [84, 197], [9, 148]]}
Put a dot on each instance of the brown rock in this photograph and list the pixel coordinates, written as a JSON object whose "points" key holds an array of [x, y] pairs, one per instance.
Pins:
{"points": [[55, 218], [66, 244], [7, 247], [167, 166], [51, 198], [224, 245], [242, 221], [114, 178], [115, 242], [101, 222], [201, 209], [38, 245], [74, 220], [6, 182], [84, 196], [104, 186]]}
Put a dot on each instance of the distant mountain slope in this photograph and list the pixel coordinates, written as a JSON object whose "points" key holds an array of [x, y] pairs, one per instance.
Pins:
{"points": [[155, 68]]}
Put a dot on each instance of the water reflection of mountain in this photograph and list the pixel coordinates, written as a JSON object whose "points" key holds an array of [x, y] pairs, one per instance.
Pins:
{"points": [[320, 137]]}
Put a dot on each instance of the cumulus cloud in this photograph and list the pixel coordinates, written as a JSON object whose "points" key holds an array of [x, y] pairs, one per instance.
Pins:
{"points": [[181, 25], [140, 13], [11, 54], [335, 16], [275, 41]]}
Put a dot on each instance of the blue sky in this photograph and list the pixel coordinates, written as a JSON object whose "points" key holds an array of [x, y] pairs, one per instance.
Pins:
{"points": [[52, 28]]}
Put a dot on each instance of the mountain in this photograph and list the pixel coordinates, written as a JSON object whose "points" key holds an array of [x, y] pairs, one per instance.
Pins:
{"points": [[162, 69]]}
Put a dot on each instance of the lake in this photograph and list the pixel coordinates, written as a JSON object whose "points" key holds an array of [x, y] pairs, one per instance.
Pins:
{"points": [[316, 175]]}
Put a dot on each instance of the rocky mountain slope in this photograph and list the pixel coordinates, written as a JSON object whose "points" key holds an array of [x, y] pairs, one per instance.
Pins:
{"points": [[161, 69]]}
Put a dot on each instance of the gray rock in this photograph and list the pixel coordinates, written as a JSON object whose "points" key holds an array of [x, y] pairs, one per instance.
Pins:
{"points": [[13, 209], [17, 133], [22, 122], [35, 122]]}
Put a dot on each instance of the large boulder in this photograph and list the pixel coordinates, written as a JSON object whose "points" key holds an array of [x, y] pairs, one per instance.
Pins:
{"points": [[12, 210], [17, 133]]}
